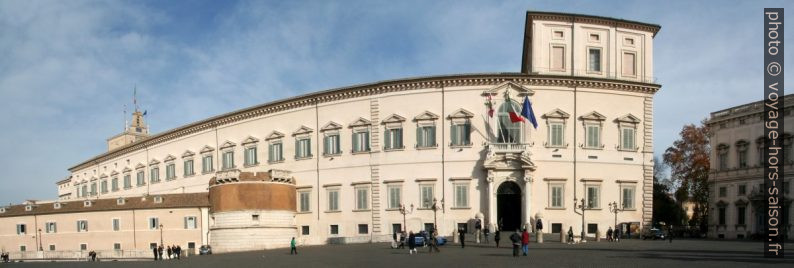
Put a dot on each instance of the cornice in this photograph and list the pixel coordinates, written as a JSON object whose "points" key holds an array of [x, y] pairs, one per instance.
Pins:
{"points": [[383, 87]]}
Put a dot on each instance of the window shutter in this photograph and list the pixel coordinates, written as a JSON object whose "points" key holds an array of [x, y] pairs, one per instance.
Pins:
{"points": [[309, 147], [419, 140], [454, 134], [366, 141], [398, 139], [326, 146], [387, 139], [297, 148], [356, 147], [337, 141], [467, 133], [432, 136]]}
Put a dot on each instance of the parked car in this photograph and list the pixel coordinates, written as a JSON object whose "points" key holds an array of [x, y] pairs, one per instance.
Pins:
{"points": [[205, 250], [654, 234]]}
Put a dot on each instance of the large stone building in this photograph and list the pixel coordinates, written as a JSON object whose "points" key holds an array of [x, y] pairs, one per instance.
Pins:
{"points": [[736, 179], [348, 159]]}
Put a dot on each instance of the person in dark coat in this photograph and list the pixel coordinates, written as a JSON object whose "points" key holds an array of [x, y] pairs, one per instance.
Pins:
{"points": [[462, 236], [154, 250], [411, 243], [516, 239], [497, 236], [609, 234], [178, 252], [433, 243], [570, 234], [160, 252]]}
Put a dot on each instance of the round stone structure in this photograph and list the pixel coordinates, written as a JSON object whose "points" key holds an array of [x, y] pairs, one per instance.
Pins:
{"points": [[251, 210]]}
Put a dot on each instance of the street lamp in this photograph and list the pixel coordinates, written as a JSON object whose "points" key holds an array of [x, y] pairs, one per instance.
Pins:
{"points": [[41, 248], [613, 207], [581, 206], [434, 207], [405, 211], [161, 234]]}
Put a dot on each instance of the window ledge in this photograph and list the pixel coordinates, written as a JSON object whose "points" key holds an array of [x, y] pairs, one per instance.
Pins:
{"points": [[333, 211], [251, 165], [361, 210], [629, 150], [555, 208], [557, 146], [457, 146], [303, 158], [427, 147], [189, 175], [304, 212], [332, 155], [460, 208], [628, 209], [594, 209], [393, 209], [207, 172], [424, 208], [361, 152], [276, 162], [593, 148], [394, 149]]}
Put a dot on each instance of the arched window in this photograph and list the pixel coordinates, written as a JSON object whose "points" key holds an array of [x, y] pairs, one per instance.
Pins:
{"points": [[508, 132]]}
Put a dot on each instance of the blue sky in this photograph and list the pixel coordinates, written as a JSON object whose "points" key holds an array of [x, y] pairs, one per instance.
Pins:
{"points": [[67, 68]]}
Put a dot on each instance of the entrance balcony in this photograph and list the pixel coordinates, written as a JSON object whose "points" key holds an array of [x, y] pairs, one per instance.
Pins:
{"points": [[502, 148]]}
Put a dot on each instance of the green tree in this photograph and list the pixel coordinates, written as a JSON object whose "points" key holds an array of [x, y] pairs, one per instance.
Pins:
{"points": [[689, 163]]}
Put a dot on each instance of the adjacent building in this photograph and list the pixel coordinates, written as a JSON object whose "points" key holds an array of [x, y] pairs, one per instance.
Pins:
{"points": [[356, 164], [736, 179]]}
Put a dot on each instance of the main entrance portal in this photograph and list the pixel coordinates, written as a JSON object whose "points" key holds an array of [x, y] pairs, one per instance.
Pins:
{"points": [[508, 202]]}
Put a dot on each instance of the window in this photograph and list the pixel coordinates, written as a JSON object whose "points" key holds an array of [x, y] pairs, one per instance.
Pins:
{"points": [[331, 144], [629, 63], [190, 222], [305, 199], [396, 227], [305, 230], [460, 134], [741, 153], [275, 152], [116, 224], [127, 181], [206, 164], [721, 215], [627, 193], [93, 188], [461, 195], [629, 41], [426, 136], [104, 186], [117, 246], [558, 58], [556, 134], [333, 199], [52, 247], [722, 156], [742, 189], [154, 177], [82, 226], [508, 131], [170, 171], [393, 138], [22, 248], [557, 34], [592, 228], [303, 148], [425, 195], [114, 184], [50, 228], [255, 217], [593, 139], [228, 160], [723, 191], [740, 215], [361, 141], [154, 223], [627, 139], [363, 229], [334, 229], [593, 196], [556, 228], [556, 195], [83, 247], [594, 60], [395, 196], [85, 190], [250, 156], [362, 198], [188, 168]]}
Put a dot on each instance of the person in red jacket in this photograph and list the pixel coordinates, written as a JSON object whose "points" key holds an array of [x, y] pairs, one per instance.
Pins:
{"points": [[525, 241]]}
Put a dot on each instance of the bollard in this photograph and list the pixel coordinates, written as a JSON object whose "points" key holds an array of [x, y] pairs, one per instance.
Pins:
{"points": [[539, 235], [598, 235], [563, 237], [455, 236]]}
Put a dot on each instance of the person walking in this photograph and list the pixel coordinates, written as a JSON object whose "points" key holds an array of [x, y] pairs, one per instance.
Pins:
{"points": [[411, 243], [516, 239], [154, 251], [462, 237], [402, 241], [486, 232], [168, 251], [160, 252], [497, 235], [525, 241], [609, 234], [570, 234], [293, 249], [433, 244]]}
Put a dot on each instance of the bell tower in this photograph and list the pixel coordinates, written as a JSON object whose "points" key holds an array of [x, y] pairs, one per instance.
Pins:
{"points": [[137, 130]]}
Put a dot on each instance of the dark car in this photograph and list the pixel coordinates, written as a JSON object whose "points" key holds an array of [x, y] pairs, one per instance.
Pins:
{"points": [[205, 250], [654, 234]]}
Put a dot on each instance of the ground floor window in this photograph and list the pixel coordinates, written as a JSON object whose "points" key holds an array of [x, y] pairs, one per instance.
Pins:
{"points": [[429, 227], [305, 230], [721, 215], [334, 229], [592, 228], [152, 245], [117, 246], [363, 229], [556, 228], [52, 247], [83, 246], [396, 227], [22, 248]]}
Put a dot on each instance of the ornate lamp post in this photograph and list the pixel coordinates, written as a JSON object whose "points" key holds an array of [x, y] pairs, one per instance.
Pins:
{"points": [[434, 207], [613, 207], [581, 206], [161, 234], [405, 211]]}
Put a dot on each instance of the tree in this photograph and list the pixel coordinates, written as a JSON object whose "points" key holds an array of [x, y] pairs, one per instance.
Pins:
{"points": [[689, 163], [665, 208]]}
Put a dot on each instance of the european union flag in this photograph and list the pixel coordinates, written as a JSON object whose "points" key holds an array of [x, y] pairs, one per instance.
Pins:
{"points": [[527, 112]]}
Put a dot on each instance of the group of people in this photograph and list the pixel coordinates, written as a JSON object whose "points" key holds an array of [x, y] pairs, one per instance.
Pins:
{"points": [[4, 256], [399, 241], [614, 236], [172, 252], [520, 239]]}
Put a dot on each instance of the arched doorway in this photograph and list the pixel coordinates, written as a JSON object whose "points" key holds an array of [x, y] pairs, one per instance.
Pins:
{"points": [[508, 206]]}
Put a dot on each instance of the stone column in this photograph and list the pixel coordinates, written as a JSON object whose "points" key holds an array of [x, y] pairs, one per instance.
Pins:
{"points": [[527, 202], [491, 196]]}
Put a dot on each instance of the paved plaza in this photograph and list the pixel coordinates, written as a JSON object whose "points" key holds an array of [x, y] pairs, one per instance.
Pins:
{"points": [[628, 253]]}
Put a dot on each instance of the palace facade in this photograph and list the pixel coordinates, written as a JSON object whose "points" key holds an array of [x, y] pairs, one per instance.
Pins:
{"points": [[736, 179], [356, 164]]}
